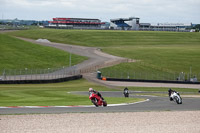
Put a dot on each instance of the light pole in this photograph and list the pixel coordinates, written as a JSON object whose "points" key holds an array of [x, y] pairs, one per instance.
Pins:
{"points": [[70, 57], [190, 72]]}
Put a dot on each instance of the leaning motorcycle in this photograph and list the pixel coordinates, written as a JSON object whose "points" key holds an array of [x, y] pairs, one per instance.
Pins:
{"points": [[97, 100], [176, 97]]}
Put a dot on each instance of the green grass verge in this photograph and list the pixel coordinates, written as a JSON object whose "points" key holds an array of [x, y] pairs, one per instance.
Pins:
{"points": [[162, 89], [18, 54], [52, 94]]}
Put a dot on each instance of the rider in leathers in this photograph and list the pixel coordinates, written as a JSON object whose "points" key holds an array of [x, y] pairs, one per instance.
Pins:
{"points": [[170, 92], [125, 91], [96, 92]]}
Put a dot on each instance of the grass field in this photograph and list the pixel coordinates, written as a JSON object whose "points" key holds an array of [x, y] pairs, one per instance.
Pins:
{"points": [[18, 54], [158, 51], [104, 38], [52, 94], [163, 89]]}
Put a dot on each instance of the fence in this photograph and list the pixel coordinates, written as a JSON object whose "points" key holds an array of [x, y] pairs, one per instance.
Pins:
{"points": [[164, 29], [192, 77], [96, 66], [38, 74], [54, 73]]}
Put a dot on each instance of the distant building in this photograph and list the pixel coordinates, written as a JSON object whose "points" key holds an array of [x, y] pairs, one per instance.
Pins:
{"points": [[131, 23], [106, 25], [75, 23], [17, 22], [165, 27]]}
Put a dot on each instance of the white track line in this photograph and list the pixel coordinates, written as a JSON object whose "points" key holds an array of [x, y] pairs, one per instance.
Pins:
{"points": [[109, 105]]}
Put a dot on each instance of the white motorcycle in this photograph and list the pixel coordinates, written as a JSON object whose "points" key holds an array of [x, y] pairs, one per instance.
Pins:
{"points": [[126, 93], [176, 97]]}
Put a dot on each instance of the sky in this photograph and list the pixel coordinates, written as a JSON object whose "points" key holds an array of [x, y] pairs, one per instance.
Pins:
{"points": [[149, 11]]}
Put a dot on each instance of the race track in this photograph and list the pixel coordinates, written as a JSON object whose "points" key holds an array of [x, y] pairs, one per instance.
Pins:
{"points": [[96, 60], [152, 104]]}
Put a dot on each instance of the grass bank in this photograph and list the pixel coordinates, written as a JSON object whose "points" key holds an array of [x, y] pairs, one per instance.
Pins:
{"points": [[165, 52], [18, 54], [106, 38]]}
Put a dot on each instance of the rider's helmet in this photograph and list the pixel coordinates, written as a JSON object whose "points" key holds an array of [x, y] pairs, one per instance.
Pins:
{"points": [[91, 89], [169, 90]]}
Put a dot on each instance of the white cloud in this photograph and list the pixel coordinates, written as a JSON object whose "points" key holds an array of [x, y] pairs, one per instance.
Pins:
{"points": [[147, 10]]}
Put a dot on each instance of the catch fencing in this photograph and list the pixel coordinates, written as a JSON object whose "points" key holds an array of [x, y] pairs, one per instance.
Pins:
{"points": [[38, 74], [53, 73], [119, 74]]}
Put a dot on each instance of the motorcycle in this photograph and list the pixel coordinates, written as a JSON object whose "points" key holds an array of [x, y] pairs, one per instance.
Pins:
{"points": [[176, 97], [126, 93], [97, 100]]}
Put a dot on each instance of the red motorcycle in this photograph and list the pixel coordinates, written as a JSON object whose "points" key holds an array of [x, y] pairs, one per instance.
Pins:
{"points": [[97, 100]]}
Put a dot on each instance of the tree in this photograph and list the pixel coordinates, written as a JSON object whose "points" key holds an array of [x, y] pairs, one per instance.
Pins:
{"points": [[197, 26]]}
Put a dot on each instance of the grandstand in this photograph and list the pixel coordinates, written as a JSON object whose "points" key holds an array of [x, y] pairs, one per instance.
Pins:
{"points": [[75, 23]]}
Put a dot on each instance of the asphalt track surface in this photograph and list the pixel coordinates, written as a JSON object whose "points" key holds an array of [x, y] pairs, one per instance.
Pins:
{"points": [[152, 103]]}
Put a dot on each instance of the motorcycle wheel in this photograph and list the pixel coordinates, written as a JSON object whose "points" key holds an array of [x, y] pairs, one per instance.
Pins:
{"points": [[94, 101], [181, 100], [176, 99], [104, 103], [126, 95]]}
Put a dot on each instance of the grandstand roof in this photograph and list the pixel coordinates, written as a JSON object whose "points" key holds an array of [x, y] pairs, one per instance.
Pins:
{"points": [[124, 19], [74, 18]]}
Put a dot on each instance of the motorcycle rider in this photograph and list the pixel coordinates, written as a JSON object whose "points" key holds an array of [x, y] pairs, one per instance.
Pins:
{"points": [[91, 90], [125, 91], [170, 91]]}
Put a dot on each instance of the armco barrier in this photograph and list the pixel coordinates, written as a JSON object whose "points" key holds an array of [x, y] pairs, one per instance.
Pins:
{"points": [[40, 81], [153, 81]]}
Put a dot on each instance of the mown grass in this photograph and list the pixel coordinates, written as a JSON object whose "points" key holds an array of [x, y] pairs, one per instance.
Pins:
{"points": [[111, 38], [52, 94], [163, 89], [165, 52], [163, 58], [18, 54]]}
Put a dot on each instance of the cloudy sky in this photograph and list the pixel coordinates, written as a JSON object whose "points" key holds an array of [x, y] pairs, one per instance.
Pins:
{"points": [[152, 11]]}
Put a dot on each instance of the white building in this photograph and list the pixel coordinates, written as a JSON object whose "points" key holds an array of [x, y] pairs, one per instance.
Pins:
{"points": [[131, 23]]}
